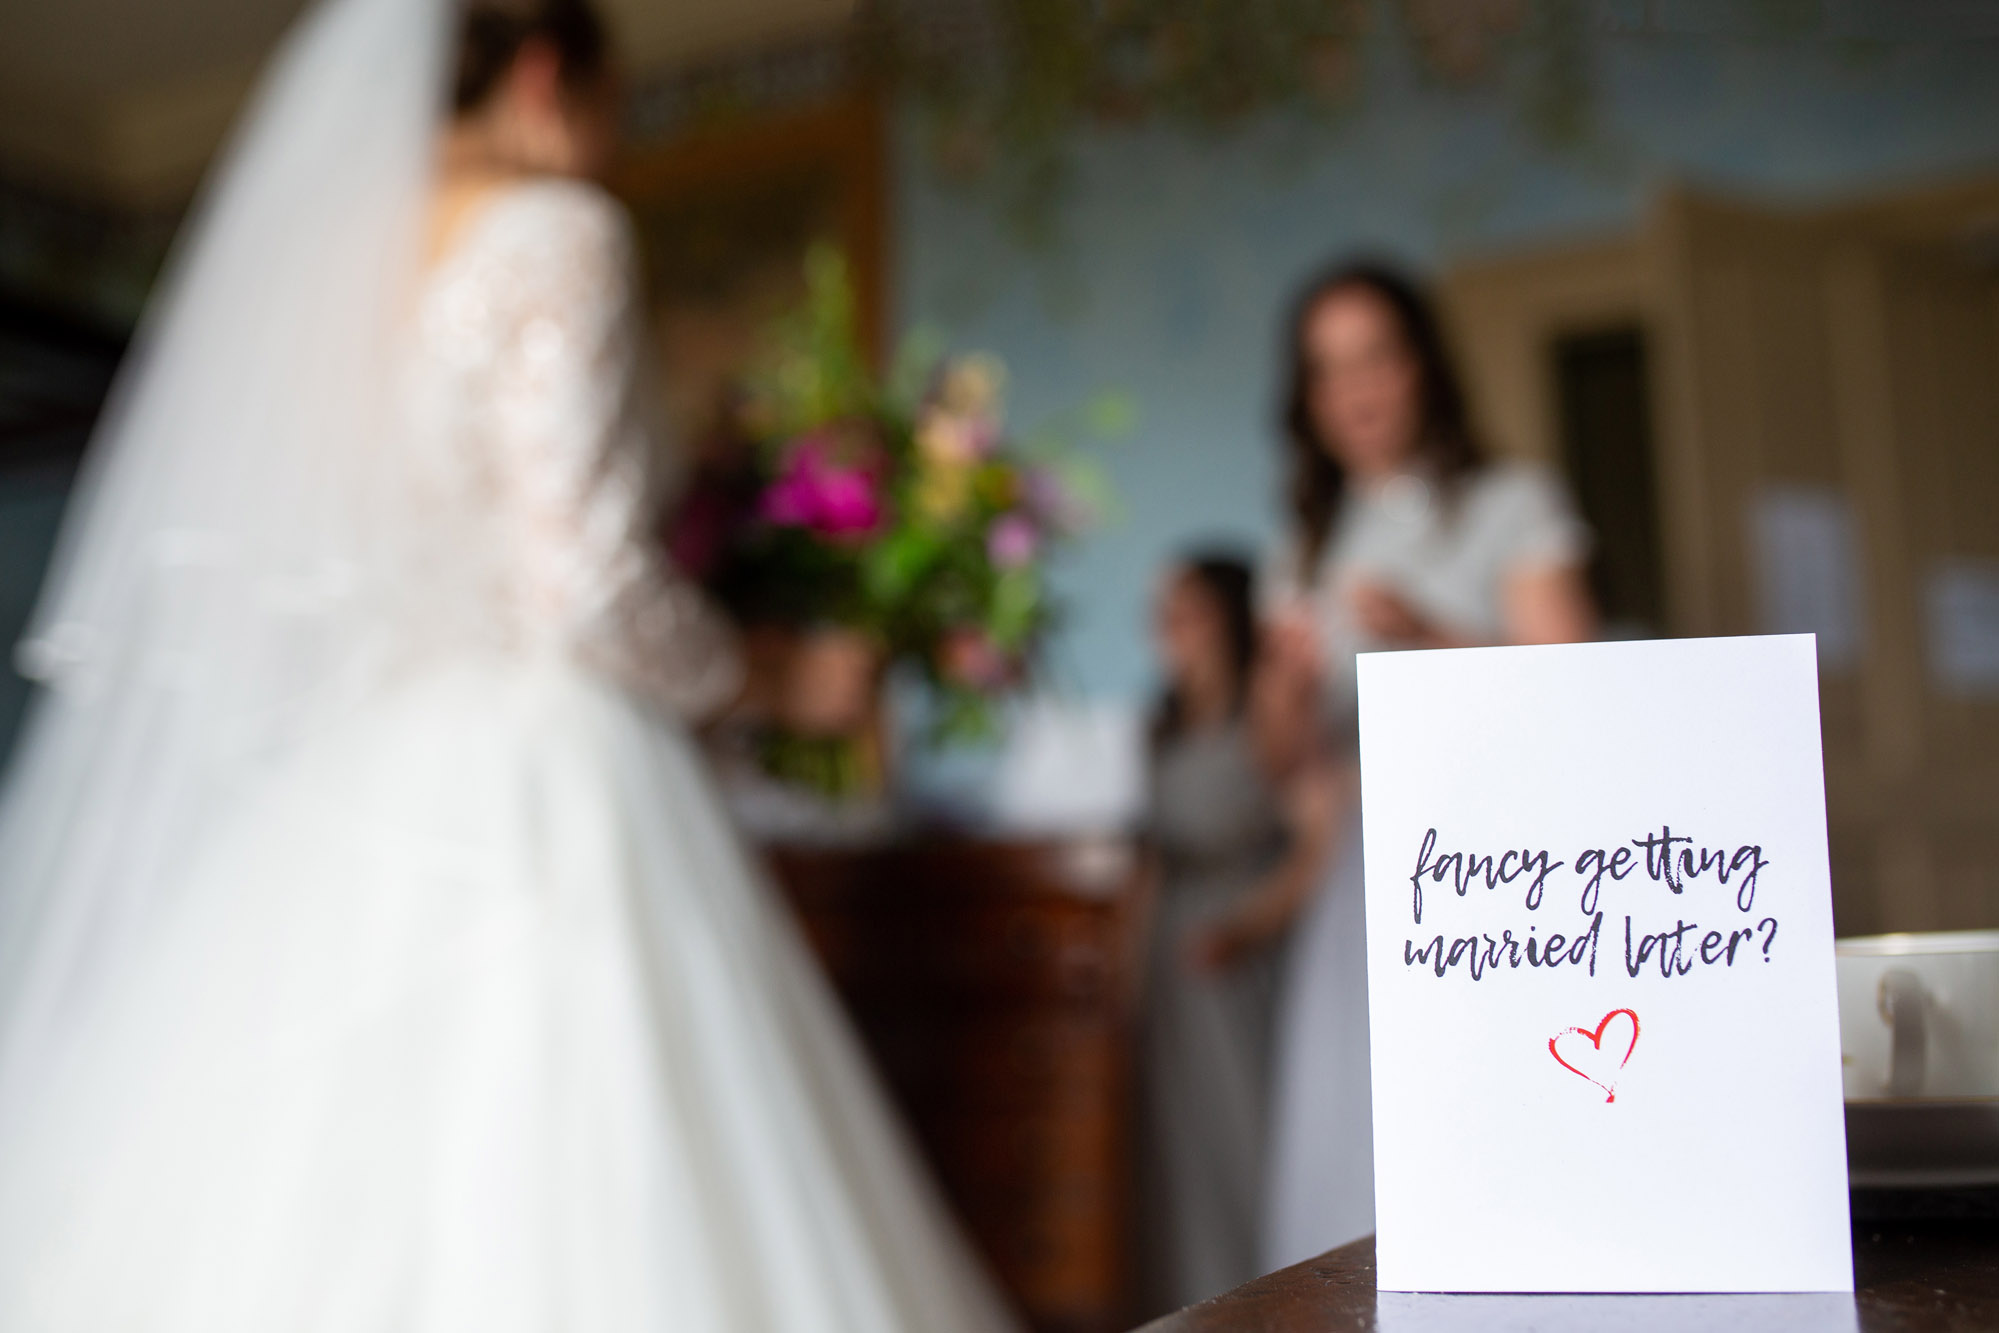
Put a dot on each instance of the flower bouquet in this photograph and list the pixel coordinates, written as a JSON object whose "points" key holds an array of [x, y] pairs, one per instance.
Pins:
{"points": [[891, 507]]}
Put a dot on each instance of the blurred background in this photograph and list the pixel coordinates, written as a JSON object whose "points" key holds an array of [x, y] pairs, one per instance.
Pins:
{"points": [[1731, 268]]}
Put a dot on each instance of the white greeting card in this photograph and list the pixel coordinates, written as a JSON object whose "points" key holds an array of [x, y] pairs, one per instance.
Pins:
{"points": [[1600, 970]]}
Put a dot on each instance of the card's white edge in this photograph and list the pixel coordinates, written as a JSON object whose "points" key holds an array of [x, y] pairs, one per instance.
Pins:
{"points": [[1846, 1290], [1363, 665]]}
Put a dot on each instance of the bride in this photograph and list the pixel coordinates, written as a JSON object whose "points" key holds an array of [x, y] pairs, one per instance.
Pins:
{"points": [[373, 952]]}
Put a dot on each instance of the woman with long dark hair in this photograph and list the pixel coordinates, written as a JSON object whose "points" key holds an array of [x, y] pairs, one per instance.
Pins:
{"points": [[375, 956], [1404, 535]]}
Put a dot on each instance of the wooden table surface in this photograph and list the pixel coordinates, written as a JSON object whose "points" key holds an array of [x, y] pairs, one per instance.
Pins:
{"points": [[1911, 1278]]}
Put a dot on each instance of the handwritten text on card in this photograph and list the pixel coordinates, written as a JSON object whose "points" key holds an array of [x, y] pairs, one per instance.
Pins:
{"points": [[1718, 880]]}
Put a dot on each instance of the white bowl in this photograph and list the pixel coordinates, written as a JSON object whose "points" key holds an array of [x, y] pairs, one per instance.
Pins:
{"points": [[1919, 1055]]}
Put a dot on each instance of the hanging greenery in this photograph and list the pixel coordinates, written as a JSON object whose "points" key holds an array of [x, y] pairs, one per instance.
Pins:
{"points": [[1005, 84]]}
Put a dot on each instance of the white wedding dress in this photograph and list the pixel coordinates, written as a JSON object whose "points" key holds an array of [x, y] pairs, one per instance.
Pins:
{"points": [[471, 1015]]}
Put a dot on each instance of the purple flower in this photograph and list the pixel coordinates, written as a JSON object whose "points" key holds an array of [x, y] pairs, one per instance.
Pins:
{"points": [[789, 502], [1012, 541], [1052, 503], [831, 499]]}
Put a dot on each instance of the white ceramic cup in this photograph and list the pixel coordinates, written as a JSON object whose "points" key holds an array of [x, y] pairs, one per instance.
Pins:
{"points": [[1919, 1015]]}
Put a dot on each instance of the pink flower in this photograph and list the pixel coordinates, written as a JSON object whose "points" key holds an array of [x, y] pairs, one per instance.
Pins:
{"points": [[1012, 541], [813, 491], [972, 659]]}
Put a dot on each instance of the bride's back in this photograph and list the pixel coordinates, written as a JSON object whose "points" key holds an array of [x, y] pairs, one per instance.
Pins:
{"points": [[520, 361], [520, 395]]}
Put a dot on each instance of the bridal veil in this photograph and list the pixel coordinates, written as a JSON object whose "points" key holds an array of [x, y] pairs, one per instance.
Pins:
{"points": [[223, 568]]}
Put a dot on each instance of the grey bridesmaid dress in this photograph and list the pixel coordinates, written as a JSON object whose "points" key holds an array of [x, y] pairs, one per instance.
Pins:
{"points": [[1205, 1041]]}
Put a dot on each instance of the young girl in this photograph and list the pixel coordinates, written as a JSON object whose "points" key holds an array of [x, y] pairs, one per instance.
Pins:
{"points": [[1231, 865]]}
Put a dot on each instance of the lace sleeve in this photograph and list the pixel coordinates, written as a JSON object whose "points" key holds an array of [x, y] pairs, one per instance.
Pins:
{"points": [[573, 461]]}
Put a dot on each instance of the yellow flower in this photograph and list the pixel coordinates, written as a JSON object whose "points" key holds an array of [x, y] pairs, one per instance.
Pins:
{"points": [[945, 440], [972, 385], [942, 489]]}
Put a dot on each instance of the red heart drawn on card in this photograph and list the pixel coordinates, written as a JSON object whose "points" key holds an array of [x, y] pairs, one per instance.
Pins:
{"points": [[1582, 1053]]}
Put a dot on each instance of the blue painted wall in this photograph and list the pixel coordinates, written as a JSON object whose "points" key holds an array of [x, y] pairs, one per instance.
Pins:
{"points": [[1175, 254]]}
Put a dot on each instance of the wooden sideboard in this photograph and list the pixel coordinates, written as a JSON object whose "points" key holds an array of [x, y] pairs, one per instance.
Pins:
{"points": [[995, 983]]}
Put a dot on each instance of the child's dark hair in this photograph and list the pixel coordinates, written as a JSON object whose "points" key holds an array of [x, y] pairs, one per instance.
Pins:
{"points": [[1230, 581], [491, 34]]}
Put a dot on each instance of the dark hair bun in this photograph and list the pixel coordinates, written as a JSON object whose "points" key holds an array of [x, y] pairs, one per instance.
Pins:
{"points": [[491, 34]]}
